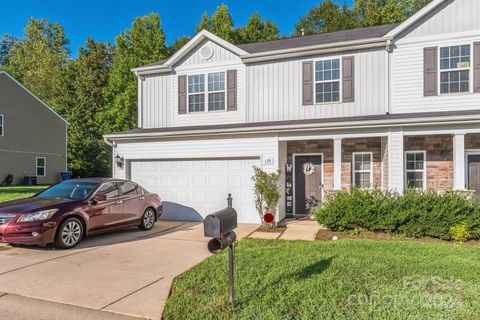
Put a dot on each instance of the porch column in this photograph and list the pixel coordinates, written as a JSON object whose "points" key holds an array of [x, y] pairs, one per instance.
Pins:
{"points": [[459, 161], [396, 167], [337, 164]]}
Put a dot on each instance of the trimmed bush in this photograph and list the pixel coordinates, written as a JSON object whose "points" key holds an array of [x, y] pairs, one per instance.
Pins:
{"points": [[414, 213]]}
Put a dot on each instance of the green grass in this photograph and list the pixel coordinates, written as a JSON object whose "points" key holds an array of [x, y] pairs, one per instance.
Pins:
{"points": [[17, 192], [345, 279]]}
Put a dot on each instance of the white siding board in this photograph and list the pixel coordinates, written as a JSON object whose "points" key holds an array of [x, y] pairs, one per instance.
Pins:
{"points": [[275, 92], [220, 55], [156, 92]]}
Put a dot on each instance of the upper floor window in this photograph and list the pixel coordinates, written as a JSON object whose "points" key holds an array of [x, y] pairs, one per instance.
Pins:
{"points": [[455, 69], [327, 80], [2, 126], [212, 95]]}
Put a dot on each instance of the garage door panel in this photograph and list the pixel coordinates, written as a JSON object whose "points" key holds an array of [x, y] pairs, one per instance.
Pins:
{"points": [[191, 189]]}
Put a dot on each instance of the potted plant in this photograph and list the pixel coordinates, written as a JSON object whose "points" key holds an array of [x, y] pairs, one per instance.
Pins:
{"points": [[267, 194]]}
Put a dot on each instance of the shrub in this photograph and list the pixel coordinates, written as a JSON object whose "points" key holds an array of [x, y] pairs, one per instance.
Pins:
{"points": [[267, 192], [461, 232], [414, 213]]}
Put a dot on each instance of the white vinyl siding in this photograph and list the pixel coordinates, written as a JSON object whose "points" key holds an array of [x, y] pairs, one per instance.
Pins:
{"points": [[274, 90], [362, 169], [41, 166], [415, 169]]}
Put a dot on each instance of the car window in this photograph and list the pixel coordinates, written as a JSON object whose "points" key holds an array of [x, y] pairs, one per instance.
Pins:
{"points": [[71, 190], [110, 190], [129, 189]]}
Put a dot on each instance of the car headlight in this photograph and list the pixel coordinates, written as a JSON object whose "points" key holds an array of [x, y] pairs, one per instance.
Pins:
{"points": [[37, 216]]}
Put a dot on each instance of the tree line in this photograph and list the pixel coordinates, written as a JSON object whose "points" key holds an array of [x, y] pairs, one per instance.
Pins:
{"points": [[96, 91]]}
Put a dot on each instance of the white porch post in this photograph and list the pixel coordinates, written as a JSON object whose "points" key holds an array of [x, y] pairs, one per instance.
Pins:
{"points": [[337, 164], [459, 161], [396, 168]]}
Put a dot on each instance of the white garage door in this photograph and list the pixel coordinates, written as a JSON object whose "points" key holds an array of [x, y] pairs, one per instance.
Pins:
{"points": [[192, 189]]}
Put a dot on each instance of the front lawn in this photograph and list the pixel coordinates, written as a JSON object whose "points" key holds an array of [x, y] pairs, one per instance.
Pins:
{"points": [[17, 192], [345, 279]]}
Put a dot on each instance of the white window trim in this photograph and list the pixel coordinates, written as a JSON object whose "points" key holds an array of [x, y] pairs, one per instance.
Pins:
{"points": [[206, 92], [424, 171], [440, 70], [325, 81], [2, 125], [44, 166], [369, 171]]}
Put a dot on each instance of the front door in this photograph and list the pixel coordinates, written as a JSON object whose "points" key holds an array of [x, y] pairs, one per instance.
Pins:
{"points": [[308, 183], [473, 169]]}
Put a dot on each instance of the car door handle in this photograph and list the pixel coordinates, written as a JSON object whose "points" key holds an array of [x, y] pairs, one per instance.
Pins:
{"points": [[119, 202]]}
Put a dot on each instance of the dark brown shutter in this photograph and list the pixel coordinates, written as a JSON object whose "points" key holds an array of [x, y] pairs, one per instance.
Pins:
{"points": [[430, 72], [307, 83], [231, 90], [476, 67], [182, 94], [348, 79]]}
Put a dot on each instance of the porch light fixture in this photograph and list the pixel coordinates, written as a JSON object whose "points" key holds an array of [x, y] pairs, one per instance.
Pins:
{"points": [[119, 161]]}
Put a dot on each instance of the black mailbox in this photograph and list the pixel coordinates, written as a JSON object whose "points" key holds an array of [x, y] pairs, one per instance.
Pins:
{"points": [[217, 225]]}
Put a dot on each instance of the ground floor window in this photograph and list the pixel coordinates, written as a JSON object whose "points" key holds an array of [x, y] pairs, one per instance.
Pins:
{"points": [[362, 169], [415, 169], [41, 164]]}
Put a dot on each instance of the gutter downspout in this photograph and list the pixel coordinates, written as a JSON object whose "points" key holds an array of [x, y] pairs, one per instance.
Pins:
{"points": [[112, 145]]}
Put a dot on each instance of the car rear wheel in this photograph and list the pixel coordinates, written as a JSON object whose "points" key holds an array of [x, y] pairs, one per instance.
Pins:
{"points": [[69, 234], [148, 219]]}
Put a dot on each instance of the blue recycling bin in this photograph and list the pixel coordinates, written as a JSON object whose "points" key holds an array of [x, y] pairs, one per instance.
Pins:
{"points": [[66, 175]]}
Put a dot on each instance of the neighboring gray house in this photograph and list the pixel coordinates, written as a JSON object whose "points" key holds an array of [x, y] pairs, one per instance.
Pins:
{"points": [[33, 137]]}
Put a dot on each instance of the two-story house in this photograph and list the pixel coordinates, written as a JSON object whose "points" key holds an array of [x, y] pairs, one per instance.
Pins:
{"points": [[33, 137], [391, 106]]}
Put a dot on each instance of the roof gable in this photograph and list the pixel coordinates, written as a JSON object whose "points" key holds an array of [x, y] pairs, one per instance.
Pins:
{"points": [[9, 77]]}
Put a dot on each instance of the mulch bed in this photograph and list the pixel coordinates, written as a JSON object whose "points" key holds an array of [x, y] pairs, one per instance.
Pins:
{"points": [[267, 228], [327, 235]]}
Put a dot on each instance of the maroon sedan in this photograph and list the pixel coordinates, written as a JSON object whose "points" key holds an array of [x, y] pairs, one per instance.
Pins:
{"points": [[66, 212]]}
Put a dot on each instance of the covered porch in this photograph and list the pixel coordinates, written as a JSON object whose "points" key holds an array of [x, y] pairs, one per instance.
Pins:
{"points": [[313, 164]]}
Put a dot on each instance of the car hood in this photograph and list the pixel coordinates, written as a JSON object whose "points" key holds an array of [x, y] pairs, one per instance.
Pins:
{"points": [[31, 205]]}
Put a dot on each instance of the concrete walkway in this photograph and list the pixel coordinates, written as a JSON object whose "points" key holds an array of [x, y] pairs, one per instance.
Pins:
{"points": [[296, 230], [128, 272]]}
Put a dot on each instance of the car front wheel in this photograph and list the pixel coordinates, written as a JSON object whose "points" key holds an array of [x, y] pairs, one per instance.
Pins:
{"points": [[148, 219], [69, 234]]}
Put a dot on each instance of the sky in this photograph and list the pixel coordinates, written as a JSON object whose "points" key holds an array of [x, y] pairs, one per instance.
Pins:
{"points": [[103, 20]]}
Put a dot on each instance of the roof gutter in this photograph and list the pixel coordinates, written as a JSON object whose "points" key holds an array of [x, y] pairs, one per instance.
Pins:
{"points": [[300, 127]]}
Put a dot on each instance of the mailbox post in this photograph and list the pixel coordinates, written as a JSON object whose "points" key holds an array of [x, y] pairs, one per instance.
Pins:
{"points": [[219, 226]]}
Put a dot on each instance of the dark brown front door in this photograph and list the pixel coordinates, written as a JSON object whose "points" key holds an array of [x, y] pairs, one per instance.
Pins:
{"points": [[308, 183], [473, 168]]}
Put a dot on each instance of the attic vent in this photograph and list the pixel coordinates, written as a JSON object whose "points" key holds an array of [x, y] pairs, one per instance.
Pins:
{"points": [[206, 52]]}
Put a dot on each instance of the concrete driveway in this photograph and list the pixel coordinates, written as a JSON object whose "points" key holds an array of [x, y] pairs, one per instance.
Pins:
{"points": [[127, 272]]}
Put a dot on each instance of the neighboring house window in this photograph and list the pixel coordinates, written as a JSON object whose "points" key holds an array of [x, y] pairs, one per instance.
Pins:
{"points": [[41, 167], [213, 95], [455, 69], [362, 169], [2, 126], [327, 80], [415, 169]]}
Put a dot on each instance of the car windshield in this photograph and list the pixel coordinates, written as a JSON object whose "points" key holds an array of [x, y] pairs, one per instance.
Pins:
{"points": [[70, 190]]}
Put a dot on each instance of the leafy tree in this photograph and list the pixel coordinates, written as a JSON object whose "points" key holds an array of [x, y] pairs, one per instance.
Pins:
{"points": [[257, 30], [178, 43], [205, 23], [38, 60], [143, 43], [222, 23], [83, 97], [327, 17], [6, 43]]}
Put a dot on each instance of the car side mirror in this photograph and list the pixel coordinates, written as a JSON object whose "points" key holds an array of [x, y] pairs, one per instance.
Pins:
{"points": [[98, 198]]}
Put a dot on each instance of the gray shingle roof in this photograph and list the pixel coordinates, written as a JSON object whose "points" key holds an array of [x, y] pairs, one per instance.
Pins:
{"points": [[318, 39], [310, 40]]}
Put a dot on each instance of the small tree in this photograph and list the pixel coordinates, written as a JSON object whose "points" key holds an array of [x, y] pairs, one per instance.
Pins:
{"points": [[267, 193]]}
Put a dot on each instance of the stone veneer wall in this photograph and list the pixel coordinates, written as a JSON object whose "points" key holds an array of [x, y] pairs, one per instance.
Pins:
{"points": [[439, 149], [348, 147], [472, 141]]}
